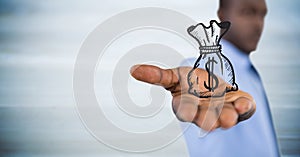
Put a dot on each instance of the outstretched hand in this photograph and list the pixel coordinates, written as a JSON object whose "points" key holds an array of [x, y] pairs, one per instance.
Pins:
{"points": [[207, 113]]}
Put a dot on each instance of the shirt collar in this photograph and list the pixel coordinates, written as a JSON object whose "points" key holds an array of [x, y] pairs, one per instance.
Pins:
{"points": [[235, 55]]}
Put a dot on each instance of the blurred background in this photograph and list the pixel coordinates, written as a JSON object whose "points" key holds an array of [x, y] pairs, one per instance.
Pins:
{"points": [[39, 42]]}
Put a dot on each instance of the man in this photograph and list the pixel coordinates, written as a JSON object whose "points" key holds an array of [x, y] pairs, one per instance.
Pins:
{"points": [[254, 137]]}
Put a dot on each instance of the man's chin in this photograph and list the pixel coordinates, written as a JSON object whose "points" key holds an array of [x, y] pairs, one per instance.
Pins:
{"points": [[251, 47]]}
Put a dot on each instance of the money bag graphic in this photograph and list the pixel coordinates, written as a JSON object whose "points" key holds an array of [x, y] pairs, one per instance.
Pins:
{"points": [[220, 74]]}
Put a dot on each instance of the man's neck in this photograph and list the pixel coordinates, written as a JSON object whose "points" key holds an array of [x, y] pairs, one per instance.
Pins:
{"points": [[238, 47]]}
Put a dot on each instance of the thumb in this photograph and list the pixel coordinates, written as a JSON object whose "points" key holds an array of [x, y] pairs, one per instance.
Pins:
{"points": [[154, 75]]}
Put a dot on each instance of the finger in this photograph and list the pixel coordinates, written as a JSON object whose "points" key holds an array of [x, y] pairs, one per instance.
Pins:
{"points": [[154, 75], [228, 117], [234, 95], [185, 108], [245, 108], [243, 105], [207, 118]]}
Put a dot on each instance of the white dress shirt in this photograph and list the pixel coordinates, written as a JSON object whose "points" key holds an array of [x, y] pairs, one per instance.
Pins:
{"points": [[254, 137]]}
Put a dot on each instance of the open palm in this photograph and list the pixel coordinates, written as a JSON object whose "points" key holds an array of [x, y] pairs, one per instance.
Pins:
{"points": [[207, 113]]}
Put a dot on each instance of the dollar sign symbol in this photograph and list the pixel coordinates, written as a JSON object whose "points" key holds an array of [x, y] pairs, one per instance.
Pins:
{"points": [[213, 81]]}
